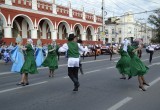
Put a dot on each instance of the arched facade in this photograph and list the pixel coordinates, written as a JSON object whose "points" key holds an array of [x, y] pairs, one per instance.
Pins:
{"points": [[78, 30], [45, 28], [89, 33], [63, 30], [47, 23]]}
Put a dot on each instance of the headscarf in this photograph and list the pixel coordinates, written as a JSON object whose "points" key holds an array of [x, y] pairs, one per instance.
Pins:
{"points": [[125, 46], [18, 39]]}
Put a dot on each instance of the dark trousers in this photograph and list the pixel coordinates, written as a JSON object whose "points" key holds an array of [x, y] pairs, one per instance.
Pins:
{"points": [[73, 74], [150, 57]]}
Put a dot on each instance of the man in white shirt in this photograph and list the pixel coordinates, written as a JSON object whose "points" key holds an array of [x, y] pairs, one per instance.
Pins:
{"points": [[151, 51], [72, 49]]}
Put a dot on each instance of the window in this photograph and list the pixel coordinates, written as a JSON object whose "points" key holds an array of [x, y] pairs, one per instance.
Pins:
{"points": [[106, 31]]}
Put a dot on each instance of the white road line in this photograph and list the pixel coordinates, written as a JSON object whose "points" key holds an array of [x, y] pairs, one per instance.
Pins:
{"points": [[91, 71], [7, 90], [153, 82], [4, 73], [85, 73], [120, 104]]}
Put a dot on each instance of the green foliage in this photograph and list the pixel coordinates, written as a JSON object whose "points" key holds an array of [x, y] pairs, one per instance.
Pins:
{"points": [[155, 21]]}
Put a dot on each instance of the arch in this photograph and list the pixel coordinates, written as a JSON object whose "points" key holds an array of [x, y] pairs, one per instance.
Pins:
{"points": [[19, 28], [91, 28], [4, 19], [89, 32], [27, 18], [80, 27], [63, 29], [48, 21], [66, 24]]}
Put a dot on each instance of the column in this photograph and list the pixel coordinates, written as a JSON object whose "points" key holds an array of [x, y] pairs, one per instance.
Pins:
{"points": [[34, 4], [7, 32], [54, 34], [94, 37], [70, 9], [54, 8], [8, 2], [84, 36], [34, 33]]}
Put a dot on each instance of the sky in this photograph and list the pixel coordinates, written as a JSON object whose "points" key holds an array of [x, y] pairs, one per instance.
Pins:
{"points": [[114, 7]]}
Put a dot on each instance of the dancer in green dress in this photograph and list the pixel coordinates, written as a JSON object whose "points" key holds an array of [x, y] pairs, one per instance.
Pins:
{"points": [[138, 68], [29, 65], [123, 65], [51, 60]]}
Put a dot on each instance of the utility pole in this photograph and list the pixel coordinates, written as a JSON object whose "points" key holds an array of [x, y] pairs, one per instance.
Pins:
{"points": [[103, 21]]}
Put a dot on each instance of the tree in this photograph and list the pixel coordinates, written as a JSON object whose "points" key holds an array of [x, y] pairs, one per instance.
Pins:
{"points": [[154, 19]]}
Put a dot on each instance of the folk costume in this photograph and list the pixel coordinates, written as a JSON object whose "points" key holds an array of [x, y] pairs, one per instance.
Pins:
{"points": [[123, 65], [39, 54], [72, 49], [51, 60], [17, 56]]}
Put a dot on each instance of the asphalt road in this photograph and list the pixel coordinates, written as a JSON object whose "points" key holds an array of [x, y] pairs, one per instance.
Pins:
{"points": [[100, 88]]}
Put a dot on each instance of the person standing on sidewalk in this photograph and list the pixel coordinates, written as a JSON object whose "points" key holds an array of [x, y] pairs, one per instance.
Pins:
{"points": [[72, 49]]}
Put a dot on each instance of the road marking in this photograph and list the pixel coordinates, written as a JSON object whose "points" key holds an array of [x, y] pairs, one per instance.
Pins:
{"points": [[7, 90], [85, 73], [120, 104], [4, 73], [153, 82]]}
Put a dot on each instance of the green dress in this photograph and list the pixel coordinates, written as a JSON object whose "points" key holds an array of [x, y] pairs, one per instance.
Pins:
{"points": [[123, 65], [51, 60], [29, 65], [138, 68]]}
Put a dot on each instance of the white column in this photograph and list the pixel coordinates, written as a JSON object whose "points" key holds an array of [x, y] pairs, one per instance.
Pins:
{"points": [[70, 13], [54, 8], [54, 34], [94, 37], [94, 18], [34, 33], [8, 2], [84, 16], [7, 32], [84, 36], [34, 4]]}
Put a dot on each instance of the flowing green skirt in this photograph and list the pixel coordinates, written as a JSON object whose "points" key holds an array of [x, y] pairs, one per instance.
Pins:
{"points": [[29, 65], [138, 68], [123, 65], [51, 62]]}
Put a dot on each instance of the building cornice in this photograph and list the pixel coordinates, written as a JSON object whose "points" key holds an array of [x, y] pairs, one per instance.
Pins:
{"points": [[45, 13]]}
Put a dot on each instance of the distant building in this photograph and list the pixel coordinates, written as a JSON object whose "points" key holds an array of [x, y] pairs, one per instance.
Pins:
{"points": [[117, 29]]}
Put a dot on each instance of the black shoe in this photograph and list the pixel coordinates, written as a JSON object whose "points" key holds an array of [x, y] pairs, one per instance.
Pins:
{"points": [[27, 83], [75, 89], [129, 77], [146, 84], [142, 88], [123, 78]]}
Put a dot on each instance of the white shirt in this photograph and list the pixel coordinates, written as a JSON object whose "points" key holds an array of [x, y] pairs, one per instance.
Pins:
{"points": [[151, 48], [72, 62]]}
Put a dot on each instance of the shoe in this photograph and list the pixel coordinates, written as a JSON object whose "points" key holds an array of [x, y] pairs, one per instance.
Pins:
{"points": [[21, 83], [129, 77], [75, 89], [27, 83], [123, 78], [146, 84], [142, 88]]}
